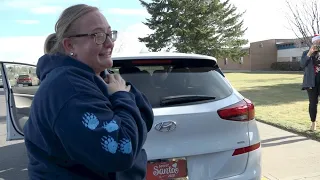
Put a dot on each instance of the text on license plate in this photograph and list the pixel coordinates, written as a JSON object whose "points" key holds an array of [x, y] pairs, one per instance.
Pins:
{"points": [[170, 169]]}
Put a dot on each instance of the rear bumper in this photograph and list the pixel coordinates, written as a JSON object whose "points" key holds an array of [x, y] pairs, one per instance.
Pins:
{"points": [[253, 169], [199, 169]]}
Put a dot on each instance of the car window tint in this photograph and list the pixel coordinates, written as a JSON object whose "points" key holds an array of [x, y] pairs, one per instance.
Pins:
{"points": [[158, 82]]}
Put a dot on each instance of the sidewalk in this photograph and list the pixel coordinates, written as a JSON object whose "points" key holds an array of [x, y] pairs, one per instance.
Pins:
{"points": [[287, 156]]}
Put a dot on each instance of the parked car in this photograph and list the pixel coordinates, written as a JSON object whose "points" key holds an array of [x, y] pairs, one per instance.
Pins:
{"points": [[203, 129], [27, 79]]}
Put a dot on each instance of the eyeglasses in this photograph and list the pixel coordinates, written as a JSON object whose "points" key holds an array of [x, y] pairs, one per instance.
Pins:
{"points": [[100, 37]]}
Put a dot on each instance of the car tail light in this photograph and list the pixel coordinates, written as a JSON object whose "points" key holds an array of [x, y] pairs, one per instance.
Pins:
{"points": [[246, 149], [143, 62], [241, 111]]}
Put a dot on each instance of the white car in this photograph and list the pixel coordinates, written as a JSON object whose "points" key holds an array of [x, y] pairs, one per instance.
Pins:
{"points": [[203, 128]]}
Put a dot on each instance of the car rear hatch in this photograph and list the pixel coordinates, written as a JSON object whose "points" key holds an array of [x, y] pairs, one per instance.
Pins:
{"points": [[198, 117]]}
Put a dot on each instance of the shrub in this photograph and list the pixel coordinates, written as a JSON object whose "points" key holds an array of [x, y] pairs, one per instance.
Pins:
{"points": [[286, 66]]}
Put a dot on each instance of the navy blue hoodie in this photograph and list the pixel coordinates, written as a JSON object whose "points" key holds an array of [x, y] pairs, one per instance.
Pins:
{"points": [[77, 131]]}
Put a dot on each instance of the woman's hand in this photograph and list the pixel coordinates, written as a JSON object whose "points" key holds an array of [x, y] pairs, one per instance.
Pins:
{"points": [[116, 83], [311, 50]]}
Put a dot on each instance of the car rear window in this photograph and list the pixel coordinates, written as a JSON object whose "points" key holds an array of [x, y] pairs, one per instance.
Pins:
{"points": [[163, 79]]}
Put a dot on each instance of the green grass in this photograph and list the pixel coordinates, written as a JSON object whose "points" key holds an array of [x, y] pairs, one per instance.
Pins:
{"points": [[278, 99]]}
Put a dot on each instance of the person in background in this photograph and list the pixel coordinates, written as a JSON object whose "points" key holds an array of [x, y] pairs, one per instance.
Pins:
{"points": [[310, 62], [82, 126]]}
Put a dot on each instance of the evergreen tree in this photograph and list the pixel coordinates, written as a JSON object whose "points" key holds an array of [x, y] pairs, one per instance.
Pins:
{"points": [[208, 27]]}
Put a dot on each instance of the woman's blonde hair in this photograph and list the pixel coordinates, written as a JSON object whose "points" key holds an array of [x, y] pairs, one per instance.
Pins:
{"points": [[49, 43], [64, 27]]}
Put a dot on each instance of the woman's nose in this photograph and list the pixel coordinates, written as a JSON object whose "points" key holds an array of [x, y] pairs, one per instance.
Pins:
{"points": [[108, 43]]}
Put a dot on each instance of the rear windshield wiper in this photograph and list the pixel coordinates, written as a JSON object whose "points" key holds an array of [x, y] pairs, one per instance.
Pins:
{"points": [[171, 100]]}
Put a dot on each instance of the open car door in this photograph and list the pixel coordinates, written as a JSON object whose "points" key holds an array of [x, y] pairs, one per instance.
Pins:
{"points": [[20, 84]]}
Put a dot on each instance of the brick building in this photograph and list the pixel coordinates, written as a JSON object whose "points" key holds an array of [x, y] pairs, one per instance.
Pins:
{"points": [[262, 54]]}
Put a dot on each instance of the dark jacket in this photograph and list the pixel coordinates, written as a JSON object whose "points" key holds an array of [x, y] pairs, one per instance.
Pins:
{"points": [[77, 131], [308, 68]]}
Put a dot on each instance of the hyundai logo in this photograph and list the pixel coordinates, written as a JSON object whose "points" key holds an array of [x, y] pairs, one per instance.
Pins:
{"points": [[166, 126]]}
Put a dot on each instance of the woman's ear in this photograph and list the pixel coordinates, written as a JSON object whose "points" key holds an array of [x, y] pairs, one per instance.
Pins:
{"points": [[67, 45]]}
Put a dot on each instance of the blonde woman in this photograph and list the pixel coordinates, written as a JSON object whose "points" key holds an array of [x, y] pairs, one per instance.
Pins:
{"points": [[82, 126]]}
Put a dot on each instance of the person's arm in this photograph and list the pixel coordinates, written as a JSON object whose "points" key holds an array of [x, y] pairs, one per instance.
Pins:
{"points": [[144, 106], [102, 136], [306, 57]]}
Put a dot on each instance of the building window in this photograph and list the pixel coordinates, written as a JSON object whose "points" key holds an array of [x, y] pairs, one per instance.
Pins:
{"points": [[294, 59], [261, 45], [241, 60]]}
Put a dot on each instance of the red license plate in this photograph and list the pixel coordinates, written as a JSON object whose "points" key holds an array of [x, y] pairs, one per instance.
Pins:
{"points": [[167, 170]]}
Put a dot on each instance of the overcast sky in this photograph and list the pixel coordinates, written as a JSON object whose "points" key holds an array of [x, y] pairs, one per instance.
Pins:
{"points": [[25, 24]]}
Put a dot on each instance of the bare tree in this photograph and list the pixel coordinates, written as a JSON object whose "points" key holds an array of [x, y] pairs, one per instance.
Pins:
{"points": [[304, 19]]}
